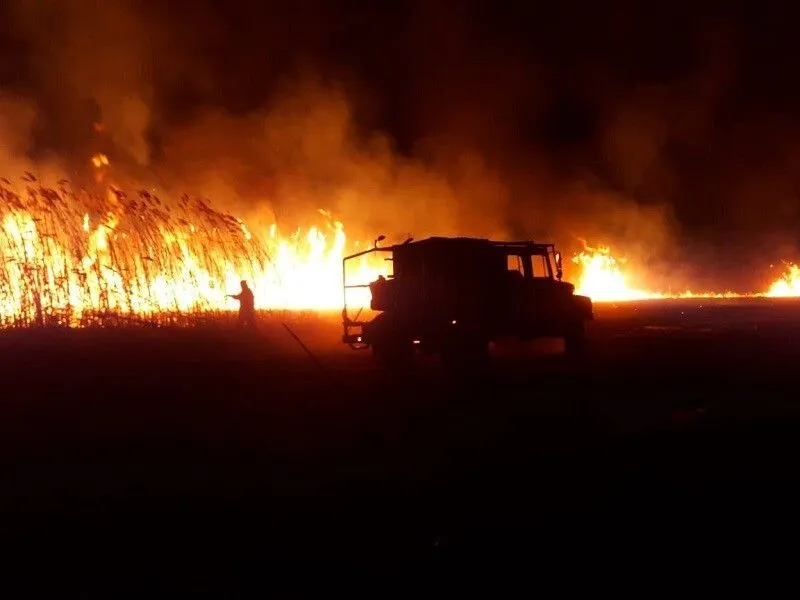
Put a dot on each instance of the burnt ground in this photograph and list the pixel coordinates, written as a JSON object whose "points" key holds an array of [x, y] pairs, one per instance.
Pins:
{"points": [[216, 459]]}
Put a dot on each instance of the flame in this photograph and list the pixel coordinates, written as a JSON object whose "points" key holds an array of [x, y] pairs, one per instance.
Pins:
{"points": [[100, 160], [603, 277], [307, 268], [787, 285], [70, 256]]}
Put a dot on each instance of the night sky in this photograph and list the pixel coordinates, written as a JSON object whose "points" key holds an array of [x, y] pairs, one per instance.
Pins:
{"points": [[674, 120]]}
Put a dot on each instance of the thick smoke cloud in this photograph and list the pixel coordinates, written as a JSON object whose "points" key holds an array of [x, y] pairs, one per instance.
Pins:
{"points": [[87, 63], [609, 123]]}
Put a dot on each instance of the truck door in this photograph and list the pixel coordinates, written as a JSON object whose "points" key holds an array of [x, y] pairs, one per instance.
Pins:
{"points": [[517, 293]]}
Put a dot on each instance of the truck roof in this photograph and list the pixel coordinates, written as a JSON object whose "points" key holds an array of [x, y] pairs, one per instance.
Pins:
{"points": [[473, 243]]}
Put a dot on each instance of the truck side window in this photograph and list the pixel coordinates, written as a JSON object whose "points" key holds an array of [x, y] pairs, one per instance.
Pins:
{"points": [[540, 266], [514, 264]]}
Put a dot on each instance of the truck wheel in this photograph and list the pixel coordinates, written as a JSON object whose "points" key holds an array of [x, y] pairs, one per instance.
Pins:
{"points": [[575, 340], [390, 348]]}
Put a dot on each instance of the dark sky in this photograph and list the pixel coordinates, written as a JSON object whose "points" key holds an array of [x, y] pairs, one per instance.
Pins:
{"points": [[686, 105]]}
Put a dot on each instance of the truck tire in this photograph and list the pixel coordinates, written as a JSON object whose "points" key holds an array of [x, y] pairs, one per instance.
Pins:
{"points": [[575, 340], [391, 349]]}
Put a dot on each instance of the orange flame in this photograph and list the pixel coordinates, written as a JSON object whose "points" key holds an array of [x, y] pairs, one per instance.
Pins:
{"points": [[603, 277], [787, 285], [100, 160], [69, 256]]}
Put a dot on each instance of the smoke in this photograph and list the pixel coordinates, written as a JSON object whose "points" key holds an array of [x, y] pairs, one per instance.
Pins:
{"points": [[88, 62], [423, 119], [17, 117], [303, 152]]}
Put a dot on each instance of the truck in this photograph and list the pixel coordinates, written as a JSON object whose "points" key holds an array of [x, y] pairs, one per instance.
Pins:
{"points": [[453, 296]]}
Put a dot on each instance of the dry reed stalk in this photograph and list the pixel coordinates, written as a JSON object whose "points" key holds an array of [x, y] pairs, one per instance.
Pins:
{"points": [[53, 272]]}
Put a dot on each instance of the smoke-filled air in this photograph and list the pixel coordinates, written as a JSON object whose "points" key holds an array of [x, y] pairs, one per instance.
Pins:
{"points": [[155, 154]]}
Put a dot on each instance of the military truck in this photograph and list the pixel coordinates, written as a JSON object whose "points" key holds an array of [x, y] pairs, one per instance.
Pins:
{"points": [[453, 296]]}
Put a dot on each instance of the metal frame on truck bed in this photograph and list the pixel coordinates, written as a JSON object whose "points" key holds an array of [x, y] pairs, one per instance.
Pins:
{"points": [[356, 340]]}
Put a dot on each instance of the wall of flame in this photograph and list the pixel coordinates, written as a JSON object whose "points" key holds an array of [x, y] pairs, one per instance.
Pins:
{"points": [[69, 257]]}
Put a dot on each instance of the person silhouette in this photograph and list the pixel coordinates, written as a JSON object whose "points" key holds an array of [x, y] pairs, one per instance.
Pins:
{"points": [[247, 309]]}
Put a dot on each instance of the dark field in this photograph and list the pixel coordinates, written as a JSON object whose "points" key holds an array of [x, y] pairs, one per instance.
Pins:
{"points": [[222, 460]]}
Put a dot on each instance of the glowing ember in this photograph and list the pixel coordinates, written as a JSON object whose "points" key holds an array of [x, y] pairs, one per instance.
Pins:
{"points": [[788, 285], [100, 160]]}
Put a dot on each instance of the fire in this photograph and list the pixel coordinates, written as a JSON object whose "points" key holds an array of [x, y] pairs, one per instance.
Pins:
{"points": [[306, 268], [69, 257], [787, 285], [604, 278], [99, 161], [72, 258]]}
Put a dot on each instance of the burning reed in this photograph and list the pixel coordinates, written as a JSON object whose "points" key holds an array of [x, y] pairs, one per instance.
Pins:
{"points": [[73, 258]]}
